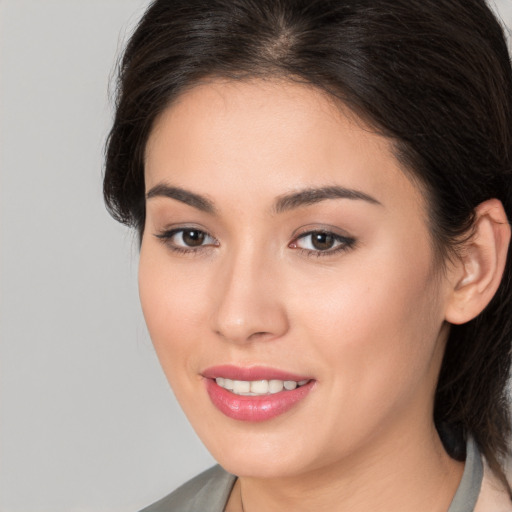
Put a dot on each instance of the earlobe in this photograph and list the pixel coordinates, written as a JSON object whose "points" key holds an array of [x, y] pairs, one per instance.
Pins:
{"points": [[480, 266]]}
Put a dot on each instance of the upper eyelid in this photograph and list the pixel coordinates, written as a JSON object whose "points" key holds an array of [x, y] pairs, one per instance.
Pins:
{"points": [[345, 242], [172, 231], [342, 238], [319, 227], [338, 236], [314, 231], [166, 232]]}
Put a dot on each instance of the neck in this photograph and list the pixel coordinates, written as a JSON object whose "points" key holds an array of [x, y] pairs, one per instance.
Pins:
{"points": [[401, 474]]}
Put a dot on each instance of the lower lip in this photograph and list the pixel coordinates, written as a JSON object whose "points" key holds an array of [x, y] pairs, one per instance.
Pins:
{"points": [[255, 408]]}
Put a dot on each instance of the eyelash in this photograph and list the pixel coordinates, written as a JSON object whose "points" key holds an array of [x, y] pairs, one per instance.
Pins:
{"points": [[166, 238], [344, 243]]}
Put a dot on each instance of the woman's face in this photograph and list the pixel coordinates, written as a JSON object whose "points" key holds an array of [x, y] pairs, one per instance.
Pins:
{"points": [[284, 247]]}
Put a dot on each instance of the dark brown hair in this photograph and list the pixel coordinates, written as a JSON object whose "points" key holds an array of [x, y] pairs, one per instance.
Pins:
{"points": [[432, 75]]}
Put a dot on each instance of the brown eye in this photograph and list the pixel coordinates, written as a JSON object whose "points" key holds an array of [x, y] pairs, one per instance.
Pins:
{"points": [[193, 237], [187, 239], [322, 241]]}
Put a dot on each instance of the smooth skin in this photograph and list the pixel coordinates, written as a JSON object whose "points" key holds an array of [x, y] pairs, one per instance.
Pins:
{"points": [[347, 290]]}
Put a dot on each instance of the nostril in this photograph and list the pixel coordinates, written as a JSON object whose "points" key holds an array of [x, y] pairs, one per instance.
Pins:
{"points": [[251, 337], [259, 335]]}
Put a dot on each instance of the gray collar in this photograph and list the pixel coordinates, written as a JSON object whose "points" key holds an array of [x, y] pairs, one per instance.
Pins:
{"points": [[469, 488], [209, 491]]}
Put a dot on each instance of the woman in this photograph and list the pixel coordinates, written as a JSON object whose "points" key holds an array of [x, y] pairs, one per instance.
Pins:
{"points": [[321, 190]]}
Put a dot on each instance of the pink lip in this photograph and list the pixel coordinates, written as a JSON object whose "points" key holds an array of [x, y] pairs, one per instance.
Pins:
{"points": [[251, 373], [253, 408]]}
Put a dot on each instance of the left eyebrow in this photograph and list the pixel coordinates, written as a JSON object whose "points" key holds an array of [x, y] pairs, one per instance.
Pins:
{"points": [[310, 196]]}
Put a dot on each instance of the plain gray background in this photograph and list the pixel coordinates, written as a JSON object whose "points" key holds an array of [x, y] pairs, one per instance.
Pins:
{"points": [[88, 423]]}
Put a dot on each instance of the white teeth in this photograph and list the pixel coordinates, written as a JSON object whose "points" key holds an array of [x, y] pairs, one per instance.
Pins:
{"points": [[274, 386], [290, 384], [258, 387], [241, 386]]}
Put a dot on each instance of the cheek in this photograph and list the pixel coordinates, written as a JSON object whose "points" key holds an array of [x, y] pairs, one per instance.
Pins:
{"points": [[172, 310], [376, 323]]}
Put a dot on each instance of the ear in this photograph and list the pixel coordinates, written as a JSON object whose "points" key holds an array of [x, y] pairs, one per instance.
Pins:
{"points": [[478, 271]]}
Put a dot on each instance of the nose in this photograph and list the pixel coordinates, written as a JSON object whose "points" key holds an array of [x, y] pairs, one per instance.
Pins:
{"points": [[248, 301]]}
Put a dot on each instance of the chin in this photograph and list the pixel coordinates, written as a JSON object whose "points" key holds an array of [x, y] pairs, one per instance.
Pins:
{"points": [[262, 453], [259, 466]]}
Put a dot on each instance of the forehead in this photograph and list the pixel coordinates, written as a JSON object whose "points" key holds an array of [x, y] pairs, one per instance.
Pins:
{"points": [[269, 136]]}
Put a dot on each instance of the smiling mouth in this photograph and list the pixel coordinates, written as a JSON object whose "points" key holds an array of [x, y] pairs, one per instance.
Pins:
{"points": [[255, 394], [258, 387]]}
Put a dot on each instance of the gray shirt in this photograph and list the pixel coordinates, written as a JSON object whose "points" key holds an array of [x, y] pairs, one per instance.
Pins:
{"points": [[209, 491]]}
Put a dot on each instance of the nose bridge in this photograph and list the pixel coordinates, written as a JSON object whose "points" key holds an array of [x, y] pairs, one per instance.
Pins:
{"points": [[248, 302]]}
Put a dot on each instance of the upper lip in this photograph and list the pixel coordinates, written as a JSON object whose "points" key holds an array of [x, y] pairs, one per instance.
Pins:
{"points": [[251, 373]]}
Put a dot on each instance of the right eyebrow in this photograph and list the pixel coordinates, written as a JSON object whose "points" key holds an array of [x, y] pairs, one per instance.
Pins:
{"points": [[179, 194]]}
